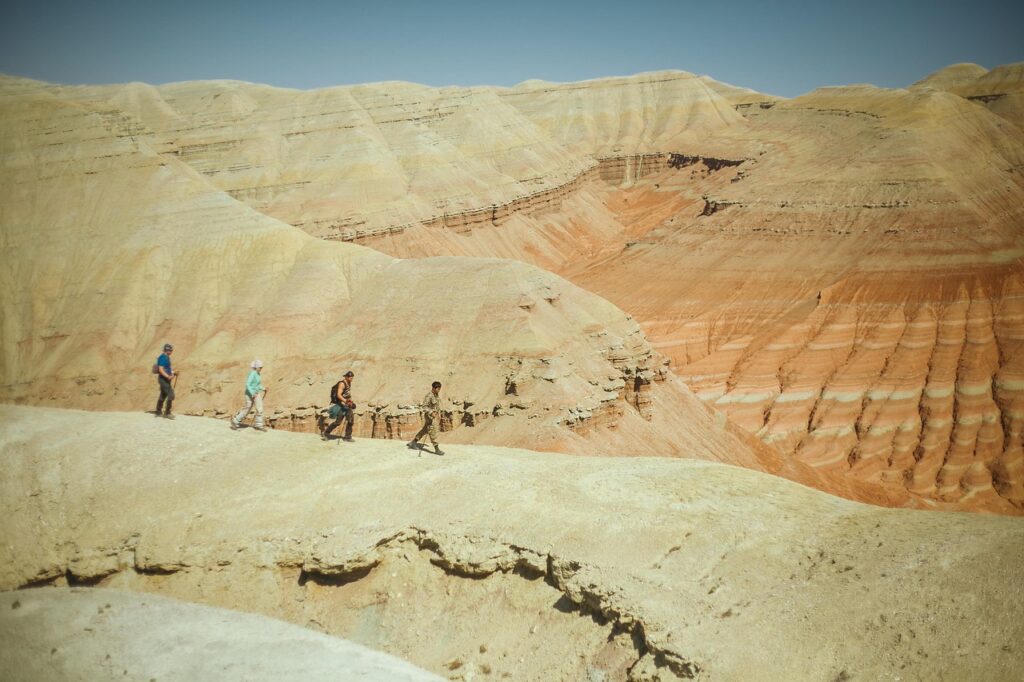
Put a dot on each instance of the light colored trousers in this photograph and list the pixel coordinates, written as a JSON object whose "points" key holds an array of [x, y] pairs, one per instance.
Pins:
{"points": [[429, 428], [250, 402]]}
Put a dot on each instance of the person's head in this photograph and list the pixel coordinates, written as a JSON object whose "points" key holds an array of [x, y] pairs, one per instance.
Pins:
{"points": [[168, 348], [435, 387], [348, 376], [257, 365]]}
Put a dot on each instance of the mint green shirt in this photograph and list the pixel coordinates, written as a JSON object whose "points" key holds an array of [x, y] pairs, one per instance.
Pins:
{"points": [[254, 384]]}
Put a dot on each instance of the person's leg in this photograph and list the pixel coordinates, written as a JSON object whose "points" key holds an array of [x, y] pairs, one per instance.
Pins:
{"points": [[170, 399], [258, 401], [242, 413], [350, 419], [433, 434], [166, 396], [334, 412], [422, 432]]}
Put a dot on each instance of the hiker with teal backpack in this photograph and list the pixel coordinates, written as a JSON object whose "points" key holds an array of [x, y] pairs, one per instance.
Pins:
{"points": [[165, 376], [254, 392]]}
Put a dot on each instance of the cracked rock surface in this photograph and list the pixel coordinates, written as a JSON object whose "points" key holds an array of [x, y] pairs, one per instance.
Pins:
{"points": [[490, 561]]}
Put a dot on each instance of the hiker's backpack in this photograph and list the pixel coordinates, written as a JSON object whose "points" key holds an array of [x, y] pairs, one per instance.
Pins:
{"points": [[334, 393], [156, 368]]}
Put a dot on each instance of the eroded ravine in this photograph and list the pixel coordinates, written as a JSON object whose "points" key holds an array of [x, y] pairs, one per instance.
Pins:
{"points": [[489, 608]]}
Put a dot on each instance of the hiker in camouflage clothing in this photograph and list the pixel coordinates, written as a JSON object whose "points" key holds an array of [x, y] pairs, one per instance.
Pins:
{"points": [[431, 407]]}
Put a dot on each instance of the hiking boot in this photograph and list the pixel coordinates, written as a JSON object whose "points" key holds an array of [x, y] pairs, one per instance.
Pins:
{"points": [[235, 427], [261, 429], [412, 445], [348, 439], [168, 416], [438, 451]]}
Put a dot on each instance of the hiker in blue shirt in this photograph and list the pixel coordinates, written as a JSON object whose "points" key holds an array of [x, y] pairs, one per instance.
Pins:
{"points": [[165, 375], [254, 392]]}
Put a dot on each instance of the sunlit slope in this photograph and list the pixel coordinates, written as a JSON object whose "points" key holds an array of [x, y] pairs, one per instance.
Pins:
{"points": [[1000, 90], [839, 272], [112, 250]]}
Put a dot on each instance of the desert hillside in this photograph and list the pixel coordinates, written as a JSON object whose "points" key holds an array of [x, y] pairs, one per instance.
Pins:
{"points": [[520, 564], [115, 249], [839, 273]]}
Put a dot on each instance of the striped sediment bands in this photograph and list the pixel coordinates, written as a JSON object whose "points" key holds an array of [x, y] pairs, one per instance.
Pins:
{"points": [[926, 392]]}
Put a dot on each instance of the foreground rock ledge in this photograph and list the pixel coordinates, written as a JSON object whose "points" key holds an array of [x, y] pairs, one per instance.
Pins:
{"points": [[492, 561]]}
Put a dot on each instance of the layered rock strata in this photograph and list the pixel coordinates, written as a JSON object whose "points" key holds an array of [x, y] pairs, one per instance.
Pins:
{"points": [[844, 214], [854, 296], [524, 564], [114, 249]]}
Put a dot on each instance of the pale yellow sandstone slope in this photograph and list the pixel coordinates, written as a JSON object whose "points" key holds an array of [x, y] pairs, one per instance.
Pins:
{"points": [[535, 565], [112, 249], [1000, 90]]}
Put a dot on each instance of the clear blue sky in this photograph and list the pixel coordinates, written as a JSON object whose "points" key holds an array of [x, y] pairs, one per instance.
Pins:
{"points": [[784, 48]]}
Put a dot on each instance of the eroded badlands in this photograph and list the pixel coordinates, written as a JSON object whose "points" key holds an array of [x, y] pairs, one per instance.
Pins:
{"points": [[839, 273]]}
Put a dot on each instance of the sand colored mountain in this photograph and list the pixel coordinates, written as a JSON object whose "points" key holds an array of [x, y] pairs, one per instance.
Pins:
{"points": [[117, 248], [96, 634], [840, 272], [114, 249], [1000, 90], [490, 562]]}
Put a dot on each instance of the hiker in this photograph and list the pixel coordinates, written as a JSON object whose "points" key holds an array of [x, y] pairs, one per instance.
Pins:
{"points": [[342, 408], [254, 392], [165, 377], [431, 407]]}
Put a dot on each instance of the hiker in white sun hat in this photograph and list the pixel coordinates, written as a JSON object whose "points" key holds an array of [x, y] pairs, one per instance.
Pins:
{"points": [[254, 392]]}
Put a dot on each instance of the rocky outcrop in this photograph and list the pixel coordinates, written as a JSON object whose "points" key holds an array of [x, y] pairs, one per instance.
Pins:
{"points": [[526, 564]]}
